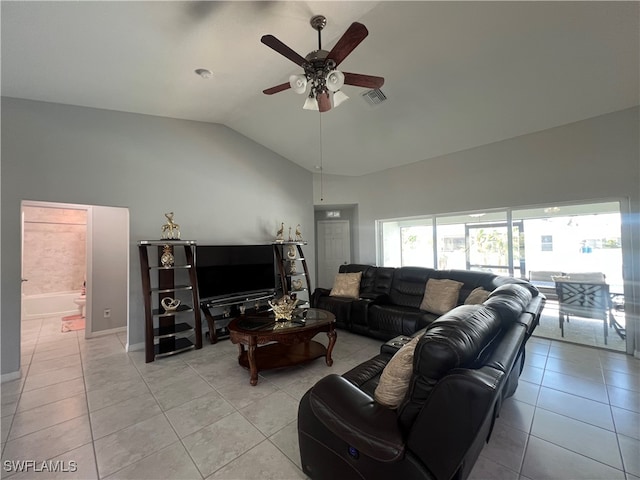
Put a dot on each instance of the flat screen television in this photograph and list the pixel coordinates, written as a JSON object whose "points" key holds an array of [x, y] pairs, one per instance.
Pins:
{"points": [[231, 270]]}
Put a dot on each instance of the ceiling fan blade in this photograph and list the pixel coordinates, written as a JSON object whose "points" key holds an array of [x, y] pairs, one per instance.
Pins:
{"points": [[276, 89], [367, 81], [355, 34], [282, 49], [324, 102]]}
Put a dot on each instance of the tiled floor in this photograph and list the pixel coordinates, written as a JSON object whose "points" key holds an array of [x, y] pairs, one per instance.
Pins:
{"points": [[575, 415], [584, 331]]}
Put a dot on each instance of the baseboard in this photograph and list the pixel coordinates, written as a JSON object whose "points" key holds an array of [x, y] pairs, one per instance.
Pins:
{"points": [[111, 331], [7, 377], [135, 347]]}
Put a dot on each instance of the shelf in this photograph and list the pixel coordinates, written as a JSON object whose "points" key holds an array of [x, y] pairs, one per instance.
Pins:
{"points": [[161, 312], [164, 334], [172, 289], [172, 330], [171, 346], [284, 262], [173, 267], [167, 241]]}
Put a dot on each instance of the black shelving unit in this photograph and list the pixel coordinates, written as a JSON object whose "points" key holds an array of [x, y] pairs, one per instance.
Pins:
{"points": [[288, 279], [167, 332]]}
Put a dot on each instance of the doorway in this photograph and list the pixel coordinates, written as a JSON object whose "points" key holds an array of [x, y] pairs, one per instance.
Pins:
{"points": [[334, 249], [54, 267], [76, 247]]}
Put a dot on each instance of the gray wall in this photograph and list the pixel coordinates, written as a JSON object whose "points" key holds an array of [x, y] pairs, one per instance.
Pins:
{"points": [[598, 158], [223, 187], [109, 237]]}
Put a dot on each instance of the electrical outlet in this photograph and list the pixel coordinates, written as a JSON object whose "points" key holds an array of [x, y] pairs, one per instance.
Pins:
{"points": [[107, 313]]}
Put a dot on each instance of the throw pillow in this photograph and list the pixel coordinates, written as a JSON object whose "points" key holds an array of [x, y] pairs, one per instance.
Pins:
{"points": [[477, 296], [346, 285], [395, 378], [440, 296]]}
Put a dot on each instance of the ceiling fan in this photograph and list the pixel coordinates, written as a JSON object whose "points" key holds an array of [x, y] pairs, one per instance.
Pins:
{"points": [[320, 68]]}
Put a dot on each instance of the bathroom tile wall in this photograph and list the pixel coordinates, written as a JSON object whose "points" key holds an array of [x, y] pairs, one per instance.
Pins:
{"points": [[54, 249]]}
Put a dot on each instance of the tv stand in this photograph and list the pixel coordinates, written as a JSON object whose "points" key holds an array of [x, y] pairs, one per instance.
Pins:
{"points": [[234, 302]]}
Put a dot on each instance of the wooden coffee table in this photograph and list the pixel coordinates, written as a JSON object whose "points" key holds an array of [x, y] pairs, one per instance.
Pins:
{"points": [[272, 344]]}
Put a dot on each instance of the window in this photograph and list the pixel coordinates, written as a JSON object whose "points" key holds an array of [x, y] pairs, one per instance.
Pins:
{"points": [[569, 238]]}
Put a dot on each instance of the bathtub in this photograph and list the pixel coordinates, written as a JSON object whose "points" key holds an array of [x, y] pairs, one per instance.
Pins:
{"points": [[58, 304]]}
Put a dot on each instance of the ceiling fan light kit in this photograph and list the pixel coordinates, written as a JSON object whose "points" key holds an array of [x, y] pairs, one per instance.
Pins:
{"points": [[320, 68]]}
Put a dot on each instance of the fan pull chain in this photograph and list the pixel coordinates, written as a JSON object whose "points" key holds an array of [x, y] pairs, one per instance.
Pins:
{"points": [[321, 167]]}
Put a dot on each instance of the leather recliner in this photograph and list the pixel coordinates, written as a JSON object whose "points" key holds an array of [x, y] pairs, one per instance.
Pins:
{"points": [[465, 363]]}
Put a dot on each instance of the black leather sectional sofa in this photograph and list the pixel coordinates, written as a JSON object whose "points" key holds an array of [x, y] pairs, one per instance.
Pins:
{"points": [[389, 300], [465, 363]]}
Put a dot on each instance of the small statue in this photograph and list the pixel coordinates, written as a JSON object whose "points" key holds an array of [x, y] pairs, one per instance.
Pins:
{"points": [[280, 234], [290, 239], [293, 270], [291, 252], [170, 230], [167, 256], [299, 234], [283, 307]]}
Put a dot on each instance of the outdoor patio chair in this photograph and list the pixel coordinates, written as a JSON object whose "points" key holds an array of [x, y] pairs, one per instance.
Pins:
{"points": [[584, 299]]}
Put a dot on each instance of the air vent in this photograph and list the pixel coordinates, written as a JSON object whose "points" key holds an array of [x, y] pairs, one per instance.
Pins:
{"points": [[374, 97]]}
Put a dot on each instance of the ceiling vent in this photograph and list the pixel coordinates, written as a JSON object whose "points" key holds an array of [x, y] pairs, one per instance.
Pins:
{"points": [[374, 97]]}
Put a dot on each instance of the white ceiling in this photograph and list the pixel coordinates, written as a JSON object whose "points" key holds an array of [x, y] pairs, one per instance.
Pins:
{"points": [[458, 74]]}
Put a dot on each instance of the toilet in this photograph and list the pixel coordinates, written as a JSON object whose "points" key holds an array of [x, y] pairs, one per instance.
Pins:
{"points": [[81, 301]]}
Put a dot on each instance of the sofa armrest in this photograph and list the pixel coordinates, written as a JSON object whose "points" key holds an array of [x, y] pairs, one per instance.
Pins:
{"points": [[376, 297], [317, 293], [356, 418]]}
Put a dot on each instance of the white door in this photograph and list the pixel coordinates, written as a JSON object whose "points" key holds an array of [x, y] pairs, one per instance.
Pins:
{"points": [[334, 249]]}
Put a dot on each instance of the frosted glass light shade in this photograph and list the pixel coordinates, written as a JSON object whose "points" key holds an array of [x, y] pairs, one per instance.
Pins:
{"points": [[298, 83], [339, 97], [335, 80], [310, 104]]}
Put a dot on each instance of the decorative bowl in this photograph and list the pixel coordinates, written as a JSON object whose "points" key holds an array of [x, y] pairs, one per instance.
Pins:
{"points": [[170, 304]]}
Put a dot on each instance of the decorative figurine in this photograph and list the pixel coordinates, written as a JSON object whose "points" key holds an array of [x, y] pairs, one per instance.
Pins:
{"points": [[170, 304], [299, 234], [280, 234], [296, 283], [170, 230], [293, 270], [283, 307], [290, 239], [167, 256], [291, 252]]}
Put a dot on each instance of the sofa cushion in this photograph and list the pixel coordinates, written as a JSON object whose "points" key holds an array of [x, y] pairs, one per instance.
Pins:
{"points": [[457, 339], [346, 285], [368, 274], [519, 292], [407, 286], [367, 375], [440, 296], [477, 296], [388, 321], [394, 381]]}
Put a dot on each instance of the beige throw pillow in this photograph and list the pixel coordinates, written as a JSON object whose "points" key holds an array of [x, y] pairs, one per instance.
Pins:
{"points": [[346, 285], [477, 296], [395, 378], [440, 296]]}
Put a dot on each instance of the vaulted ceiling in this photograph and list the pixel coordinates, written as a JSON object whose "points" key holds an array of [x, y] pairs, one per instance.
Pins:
{"points": [[458, 74]]}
